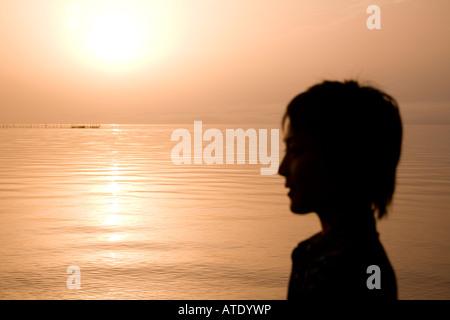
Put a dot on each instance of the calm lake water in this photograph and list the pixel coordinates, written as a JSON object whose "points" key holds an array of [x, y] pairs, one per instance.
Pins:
{"points": [[111, 202]]}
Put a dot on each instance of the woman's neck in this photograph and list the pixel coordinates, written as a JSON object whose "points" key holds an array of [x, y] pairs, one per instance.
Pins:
{"points": [[347, 220]]}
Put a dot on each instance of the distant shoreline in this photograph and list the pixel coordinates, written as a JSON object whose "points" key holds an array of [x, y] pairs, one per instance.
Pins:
{"points": [[50, 126]]}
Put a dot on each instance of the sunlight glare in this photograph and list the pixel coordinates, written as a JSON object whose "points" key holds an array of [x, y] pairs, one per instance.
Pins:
{"points": [[115, 37], [122, 36], [112, 220]]}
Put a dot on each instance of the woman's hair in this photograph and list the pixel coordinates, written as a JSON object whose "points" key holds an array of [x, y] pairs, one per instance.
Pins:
{"points": [[359, 130]]}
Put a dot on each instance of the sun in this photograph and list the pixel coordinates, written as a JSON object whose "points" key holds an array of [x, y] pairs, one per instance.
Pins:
{"points": [[115, 37], [122, 35]]}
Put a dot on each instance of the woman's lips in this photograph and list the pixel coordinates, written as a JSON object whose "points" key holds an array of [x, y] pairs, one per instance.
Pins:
{"points": [[291, 192]]}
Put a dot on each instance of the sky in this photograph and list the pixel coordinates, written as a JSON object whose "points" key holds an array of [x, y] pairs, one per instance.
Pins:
{"points": [[234, 61]]}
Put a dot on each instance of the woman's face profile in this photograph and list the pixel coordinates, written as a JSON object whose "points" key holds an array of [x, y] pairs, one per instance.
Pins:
{"points": [[304, 170]]}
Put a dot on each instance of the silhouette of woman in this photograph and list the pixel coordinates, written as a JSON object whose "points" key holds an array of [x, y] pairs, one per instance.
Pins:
{"points": [[343, 144]]}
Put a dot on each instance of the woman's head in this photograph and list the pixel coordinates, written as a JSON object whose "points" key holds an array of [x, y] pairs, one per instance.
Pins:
{"points": [[343, 146]]}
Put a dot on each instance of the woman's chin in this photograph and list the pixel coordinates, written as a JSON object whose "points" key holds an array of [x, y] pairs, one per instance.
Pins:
{"points": [[298, 208]]}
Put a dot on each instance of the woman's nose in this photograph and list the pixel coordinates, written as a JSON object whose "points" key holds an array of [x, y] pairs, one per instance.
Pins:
{"points": [[282, 170]]}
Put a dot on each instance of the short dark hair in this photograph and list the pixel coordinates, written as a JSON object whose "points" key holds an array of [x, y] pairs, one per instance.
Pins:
{"points": [[359, 129]]}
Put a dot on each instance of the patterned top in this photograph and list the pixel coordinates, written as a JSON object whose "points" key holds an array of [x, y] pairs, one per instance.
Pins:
{"points": [[334, 266]]}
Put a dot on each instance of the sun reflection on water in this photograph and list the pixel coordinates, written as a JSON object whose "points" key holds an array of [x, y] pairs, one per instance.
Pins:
{"points": [[115, 237]]}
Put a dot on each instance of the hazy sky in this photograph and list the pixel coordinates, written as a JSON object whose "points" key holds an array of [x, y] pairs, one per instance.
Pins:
{"points": [[236, 61]]}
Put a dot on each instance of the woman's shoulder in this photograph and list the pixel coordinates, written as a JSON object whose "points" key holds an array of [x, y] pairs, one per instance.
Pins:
{"points": [[340, 263]]}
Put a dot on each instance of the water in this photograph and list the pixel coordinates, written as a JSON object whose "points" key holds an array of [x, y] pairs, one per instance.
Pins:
{"points": [[111, 202]]}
